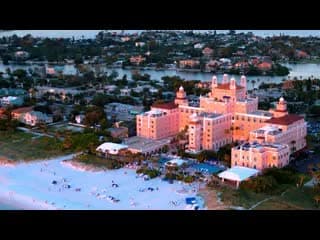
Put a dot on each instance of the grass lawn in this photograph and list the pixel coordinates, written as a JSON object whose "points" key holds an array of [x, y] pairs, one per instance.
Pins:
{"points": [[240, 197], [293, 199], [26, 147], [274, 204]]}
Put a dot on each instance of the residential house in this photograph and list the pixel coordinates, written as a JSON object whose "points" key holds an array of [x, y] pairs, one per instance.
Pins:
{"points": [[18, 112], [21, 55], [264, 66], [11, 100], [80, 118], [140, 44], [125, 92], [118, 132], [199, 46], [33, 118], [207, 52], [137, 60], [190, 63]]}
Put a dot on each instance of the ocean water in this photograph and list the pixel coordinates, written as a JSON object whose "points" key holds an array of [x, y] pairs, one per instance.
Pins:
{"points": [[92, 33], [7, 207]]}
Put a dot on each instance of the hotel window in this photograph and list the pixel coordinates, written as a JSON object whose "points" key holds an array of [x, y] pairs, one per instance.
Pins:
{"points": [[237, 117], [255, 159], [232, 118], [242, 118], [249, 119], [236, 155]]}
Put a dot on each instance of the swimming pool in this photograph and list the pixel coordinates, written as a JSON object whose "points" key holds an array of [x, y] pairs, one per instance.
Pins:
{"points": [[210, 168]]}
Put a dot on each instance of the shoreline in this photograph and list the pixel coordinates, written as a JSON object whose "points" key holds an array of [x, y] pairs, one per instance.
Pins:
{"points": [[21, 202]]}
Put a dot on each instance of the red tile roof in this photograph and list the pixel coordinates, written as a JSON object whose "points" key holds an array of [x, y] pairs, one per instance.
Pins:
{"points": [[169, 105], [285, 120], [22, 110], [226, 86]]}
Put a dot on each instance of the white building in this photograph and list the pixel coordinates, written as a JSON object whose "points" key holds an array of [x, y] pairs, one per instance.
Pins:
{"points": [[79, 118], [111, 148], [125, 92]]}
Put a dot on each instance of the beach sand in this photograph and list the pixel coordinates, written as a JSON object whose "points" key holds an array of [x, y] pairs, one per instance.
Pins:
{"points": [[55, 184]]}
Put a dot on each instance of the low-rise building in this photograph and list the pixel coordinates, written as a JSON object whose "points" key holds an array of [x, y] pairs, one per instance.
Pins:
{"points": [[207, 52], [18, 112], [11, 101], [125, 92], [33, 118], [122, 112], [190, 63], [140, 44], [118, 132], [80, 118], [137, 60], [111, 148]]}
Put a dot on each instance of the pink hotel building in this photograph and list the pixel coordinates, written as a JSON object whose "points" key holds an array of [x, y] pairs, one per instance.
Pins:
{"points": [[225, 115]]}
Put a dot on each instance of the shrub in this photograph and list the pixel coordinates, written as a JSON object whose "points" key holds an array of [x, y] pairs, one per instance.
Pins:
{"points": [[180, 177], [282, 176], [260, 184], [170, 176], [140, 170], [152, 173], [189, 179]]}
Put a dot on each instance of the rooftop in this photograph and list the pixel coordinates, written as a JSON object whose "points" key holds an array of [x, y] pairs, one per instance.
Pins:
{"points": [[154, 113], [109, 146], [238, 173], [262, 113], [247, 146], [22, 110], [270, 130], [285, 120], [209, 115], [144, 144], [226, 86]]}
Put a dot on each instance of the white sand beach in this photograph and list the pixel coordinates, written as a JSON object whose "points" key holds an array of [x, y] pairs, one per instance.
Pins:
{"points": [[52, 184]]}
